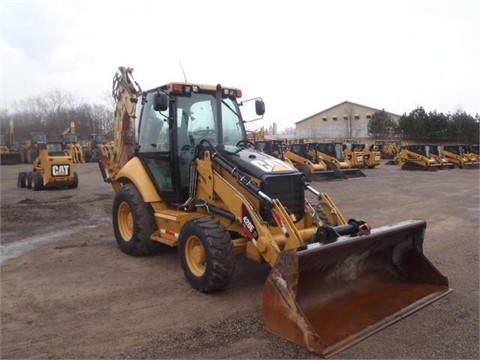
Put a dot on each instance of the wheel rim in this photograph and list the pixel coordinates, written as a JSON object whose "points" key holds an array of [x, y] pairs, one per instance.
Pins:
{"points": [[125, 221], [195, 256]]}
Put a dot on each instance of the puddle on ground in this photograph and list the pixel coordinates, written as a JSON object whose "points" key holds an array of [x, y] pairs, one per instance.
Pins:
{"points": [[16, 249]]}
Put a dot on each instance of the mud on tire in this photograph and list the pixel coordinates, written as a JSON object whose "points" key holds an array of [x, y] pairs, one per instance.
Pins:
{"points": [[133, 223]]}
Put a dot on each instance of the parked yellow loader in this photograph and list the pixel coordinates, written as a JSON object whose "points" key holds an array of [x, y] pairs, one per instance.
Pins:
{"points": [[184, 175], [417, 157], [332, 154], [71, 143], [457, 154], [53, 168], [9, 150], [306, 158]]}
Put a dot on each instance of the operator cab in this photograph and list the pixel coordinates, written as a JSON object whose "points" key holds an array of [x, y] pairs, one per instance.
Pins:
{"points": [[176, 118]]}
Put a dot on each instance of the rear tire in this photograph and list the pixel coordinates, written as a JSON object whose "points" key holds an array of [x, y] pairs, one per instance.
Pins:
{"points": [[206, 254], [37, 181], [134, 223], [28, 180], [21, 179], [74, 185]]}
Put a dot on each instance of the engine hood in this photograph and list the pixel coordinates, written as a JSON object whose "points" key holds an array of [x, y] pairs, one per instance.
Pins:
{"points": [[258, 164]]}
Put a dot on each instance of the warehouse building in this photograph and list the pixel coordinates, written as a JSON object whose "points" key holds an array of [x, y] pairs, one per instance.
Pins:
{"points": [[346, 120]]}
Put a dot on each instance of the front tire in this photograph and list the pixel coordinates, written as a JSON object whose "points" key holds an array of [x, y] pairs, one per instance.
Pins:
{"points": [[134, 223], [206, 254], [37, 181]]}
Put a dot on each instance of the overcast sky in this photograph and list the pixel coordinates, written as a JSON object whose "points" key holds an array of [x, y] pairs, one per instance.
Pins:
{"points": [[300, 56]]}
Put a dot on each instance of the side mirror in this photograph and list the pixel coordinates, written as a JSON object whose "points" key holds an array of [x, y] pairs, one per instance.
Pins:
{"points": [[160, 101], [259, 107]]}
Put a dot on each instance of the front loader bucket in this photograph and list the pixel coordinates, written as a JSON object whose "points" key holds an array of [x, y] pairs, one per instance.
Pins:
{"points": [[391, 162], [326, 175], [329, 297], [10, 158], [352, 172]]}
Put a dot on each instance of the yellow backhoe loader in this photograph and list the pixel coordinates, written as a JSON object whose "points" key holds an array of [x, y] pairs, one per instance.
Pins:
{"points": [[9, 151], [53, 168], [185, 176], [388, 148], [97, 146], [31, 147], [71, 143]]}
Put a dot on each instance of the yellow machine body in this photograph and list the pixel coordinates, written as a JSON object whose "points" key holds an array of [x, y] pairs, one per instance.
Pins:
{"points": [[53, 168], [204, 190]]}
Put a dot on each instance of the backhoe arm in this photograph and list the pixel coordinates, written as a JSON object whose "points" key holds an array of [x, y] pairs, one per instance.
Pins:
{"points": [[125, 92]]}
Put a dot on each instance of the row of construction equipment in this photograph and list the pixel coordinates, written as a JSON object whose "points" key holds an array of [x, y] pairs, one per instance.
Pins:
{"points": [[434, 157], [185, 175], [13, 152]]}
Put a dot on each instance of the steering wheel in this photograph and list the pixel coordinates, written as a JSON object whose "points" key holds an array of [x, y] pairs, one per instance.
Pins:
{"points": [[246, 143]]}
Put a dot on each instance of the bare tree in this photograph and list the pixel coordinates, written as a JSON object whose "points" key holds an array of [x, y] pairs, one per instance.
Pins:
{"points": [[351, 129]]}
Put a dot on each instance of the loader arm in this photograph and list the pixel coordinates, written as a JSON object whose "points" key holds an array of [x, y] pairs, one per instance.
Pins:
{"points": [[268, 241]]}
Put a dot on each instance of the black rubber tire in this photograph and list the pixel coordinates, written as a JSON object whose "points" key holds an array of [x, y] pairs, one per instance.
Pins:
{"points": [[96, 153], [134, 223], [37, 181], [208, 237], [87, 155], [74, 185], [28, 180], [21, 179]]}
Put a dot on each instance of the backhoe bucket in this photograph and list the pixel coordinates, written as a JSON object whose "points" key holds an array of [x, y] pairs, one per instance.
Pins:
{"points": [[329, 297]]}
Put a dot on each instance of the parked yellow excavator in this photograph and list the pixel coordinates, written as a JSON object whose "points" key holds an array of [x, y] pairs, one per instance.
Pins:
{"points": [[184, 175]]}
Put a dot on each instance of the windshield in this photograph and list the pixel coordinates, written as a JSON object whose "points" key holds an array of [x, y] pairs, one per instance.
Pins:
{"points": [[197, 120], [100, 139], [70, 138], [40, 138]]}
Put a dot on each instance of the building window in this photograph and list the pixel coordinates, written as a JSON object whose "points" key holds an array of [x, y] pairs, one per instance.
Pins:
{"points": [[368, 115], [334, 117], [324, 118], [357, 116], [345, 117]]}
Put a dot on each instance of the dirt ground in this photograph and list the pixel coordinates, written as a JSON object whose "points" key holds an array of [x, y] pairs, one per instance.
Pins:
{"points": [[68, 292]]}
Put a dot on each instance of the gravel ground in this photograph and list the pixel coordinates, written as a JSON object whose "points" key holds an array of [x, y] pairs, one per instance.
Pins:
{"points": [[67, 291]]}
